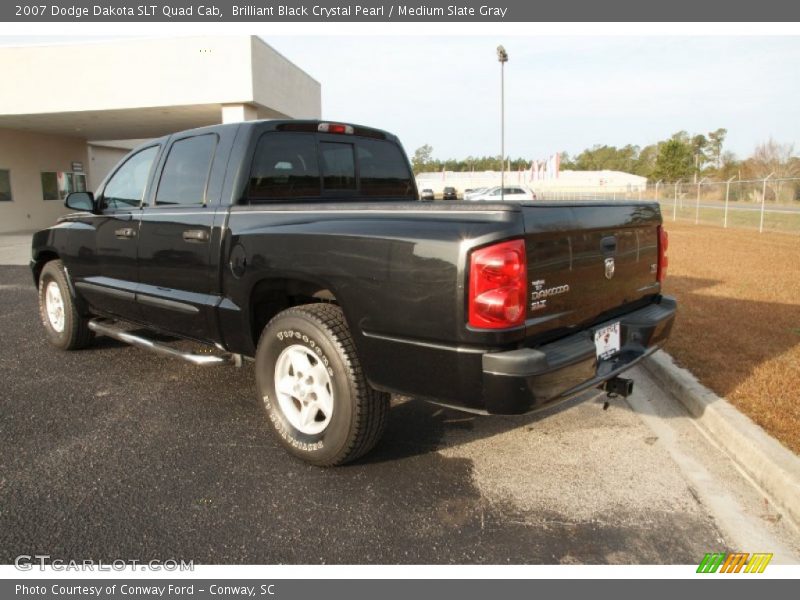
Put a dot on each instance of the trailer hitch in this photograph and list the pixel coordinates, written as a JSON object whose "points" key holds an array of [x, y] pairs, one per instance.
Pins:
{"points": [[618, 386]]}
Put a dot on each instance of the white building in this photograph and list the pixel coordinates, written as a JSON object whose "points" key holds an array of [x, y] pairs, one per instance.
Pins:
{"points": [[65, 108], [567, 182]]}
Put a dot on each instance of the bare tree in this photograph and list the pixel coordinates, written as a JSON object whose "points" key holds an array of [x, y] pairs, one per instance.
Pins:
{"points": [[774, 158]]}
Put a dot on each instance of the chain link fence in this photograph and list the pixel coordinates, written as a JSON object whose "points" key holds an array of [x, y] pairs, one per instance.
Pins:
{"points": [[769, 204]]}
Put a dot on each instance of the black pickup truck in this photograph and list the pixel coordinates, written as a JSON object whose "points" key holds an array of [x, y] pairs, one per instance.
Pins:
{"points": [[303, 246]]}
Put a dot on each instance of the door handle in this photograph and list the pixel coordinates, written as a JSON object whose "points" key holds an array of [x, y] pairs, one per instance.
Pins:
{"points": [[125, 233], [195, 235]]}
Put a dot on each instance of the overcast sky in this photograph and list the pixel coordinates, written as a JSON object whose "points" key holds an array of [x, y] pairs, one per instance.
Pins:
{"points": [[562, 93]]}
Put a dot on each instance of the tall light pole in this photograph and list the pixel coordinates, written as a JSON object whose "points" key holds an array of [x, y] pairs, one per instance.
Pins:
{"points": [[502, 56]]}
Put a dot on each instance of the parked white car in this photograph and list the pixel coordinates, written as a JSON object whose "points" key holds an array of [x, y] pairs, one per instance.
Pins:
{"points": [[470, 194], [509, 192]]}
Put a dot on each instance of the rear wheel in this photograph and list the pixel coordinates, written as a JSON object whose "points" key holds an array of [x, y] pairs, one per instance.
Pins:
{"points": [[64, 326], [313, 389]]}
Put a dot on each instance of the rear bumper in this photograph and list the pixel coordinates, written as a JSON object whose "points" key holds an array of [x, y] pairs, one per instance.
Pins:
{"points": [[518, 381]]}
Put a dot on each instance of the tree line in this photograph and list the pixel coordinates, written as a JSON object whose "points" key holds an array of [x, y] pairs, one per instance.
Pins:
{"points": [[680, 157], [422, 161]]}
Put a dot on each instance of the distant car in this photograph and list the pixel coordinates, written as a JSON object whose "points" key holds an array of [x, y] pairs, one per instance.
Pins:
{"points": [[426, 194], [508, 193], [449, 193], [471, 193]]}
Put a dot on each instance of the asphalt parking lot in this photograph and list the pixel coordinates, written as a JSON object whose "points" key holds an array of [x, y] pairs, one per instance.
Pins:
{"points": [[114, 453]]}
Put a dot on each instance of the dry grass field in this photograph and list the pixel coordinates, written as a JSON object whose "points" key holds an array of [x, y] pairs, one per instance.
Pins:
{"points": [[738, 325]]}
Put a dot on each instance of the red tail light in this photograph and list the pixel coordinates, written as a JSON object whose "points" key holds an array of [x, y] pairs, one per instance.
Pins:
{"points": [[663, 261], [498, 286]]}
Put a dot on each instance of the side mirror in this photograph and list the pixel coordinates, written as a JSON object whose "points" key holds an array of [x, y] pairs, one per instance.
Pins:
{"points": [[83, 201]]}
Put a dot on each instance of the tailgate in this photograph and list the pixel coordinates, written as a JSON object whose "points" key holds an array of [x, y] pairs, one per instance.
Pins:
{"points": [[586, 262]]}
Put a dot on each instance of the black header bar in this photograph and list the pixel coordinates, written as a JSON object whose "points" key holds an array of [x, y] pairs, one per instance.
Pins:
{"points": [[507, 11]]}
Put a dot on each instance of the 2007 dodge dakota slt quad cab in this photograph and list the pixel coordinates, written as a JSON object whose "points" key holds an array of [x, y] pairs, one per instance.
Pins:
{"points": [[303, 245]]}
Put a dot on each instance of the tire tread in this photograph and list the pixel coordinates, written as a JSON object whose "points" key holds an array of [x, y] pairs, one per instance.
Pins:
{"points": [[80, 335], [372, 406]]}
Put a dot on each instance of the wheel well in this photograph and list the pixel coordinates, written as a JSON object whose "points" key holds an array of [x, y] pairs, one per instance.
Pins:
{"points": [[271, 296], [42, 259]]}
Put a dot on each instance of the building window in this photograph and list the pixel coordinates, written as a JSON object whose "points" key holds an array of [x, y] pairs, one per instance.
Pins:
{"points": [[58, 185], [50, 185], [5, 185], [65, 184], [79, 182]]}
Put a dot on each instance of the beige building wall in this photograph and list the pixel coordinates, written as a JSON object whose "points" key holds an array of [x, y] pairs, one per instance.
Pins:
{"points": [[147, 87], [282, 86], [26, 156], [132, 73], [128, 88], [101, 160]]}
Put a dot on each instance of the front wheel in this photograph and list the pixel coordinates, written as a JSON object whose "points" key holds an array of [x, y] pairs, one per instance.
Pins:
{"points": [[313, 389], [63, 324]]}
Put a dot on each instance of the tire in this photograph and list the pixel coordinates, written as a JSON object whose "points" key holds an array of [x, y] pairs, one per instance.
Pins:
{"points": [[65, 327], [312, 387]]}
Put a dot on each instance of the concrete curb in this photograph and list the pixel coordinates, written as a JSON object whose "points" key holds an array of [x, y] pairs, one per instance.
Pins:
{"points": [[774, 468]]}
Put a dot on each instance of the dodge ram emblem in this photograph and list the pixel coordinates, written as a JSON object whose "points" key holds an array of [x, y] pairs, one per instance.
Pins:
{"points": [[609, 268]]}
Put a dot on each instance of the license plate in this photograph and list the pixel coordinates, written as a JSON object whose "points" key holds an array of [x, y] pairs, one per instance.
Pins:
{"points": [[606, 341]]}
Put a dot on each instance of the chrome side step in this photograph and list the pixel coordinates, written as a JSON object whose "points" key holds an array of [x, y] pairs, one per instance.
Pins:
{"points": [[107, 328]]}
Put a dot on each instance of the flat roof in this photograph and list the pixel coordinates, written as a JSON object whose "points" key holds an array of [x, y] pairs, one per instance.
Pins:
{"points": [[144, 88]]}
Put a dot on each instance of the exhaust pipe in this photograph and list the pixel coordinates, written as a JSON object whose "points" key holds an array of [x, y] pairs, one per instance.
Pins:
{"points": [[618, 386]]}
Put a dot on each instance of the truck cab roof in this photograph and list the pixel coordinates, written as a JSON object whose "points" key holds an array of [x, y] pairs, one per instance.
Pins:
{"points": [[299, 125]]}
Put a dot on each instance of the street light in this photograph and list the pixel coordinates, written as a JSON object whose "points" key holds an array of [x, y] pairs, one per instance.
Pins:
{"points": [[502, 56]]}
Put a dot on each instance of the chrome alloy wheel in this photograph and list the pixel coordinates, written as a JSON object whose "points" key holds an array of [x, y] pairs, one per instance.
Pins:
{"points": [[54, 306], [304, 390]]}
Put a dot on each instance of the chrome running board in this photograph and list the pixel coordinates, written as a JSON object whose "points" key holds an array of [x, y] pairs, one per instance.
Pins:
{"points": [[108, 328]]}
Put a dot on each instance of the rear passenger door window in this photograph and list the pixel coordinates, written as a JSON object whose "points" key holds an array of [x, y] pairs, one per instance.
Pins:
{"points": [[338, 166], [284, 166], [185, 175]]}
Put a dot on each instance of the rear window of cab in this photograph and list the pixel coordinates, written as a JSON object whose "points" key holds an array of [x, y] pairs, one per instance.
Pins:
{"points": [[294, 165]]}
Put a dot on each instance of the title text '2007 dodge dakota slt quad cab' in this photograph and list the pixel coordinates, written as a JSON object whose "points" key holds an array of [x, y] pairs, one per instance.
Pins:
{"points": [[303, 246]]}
